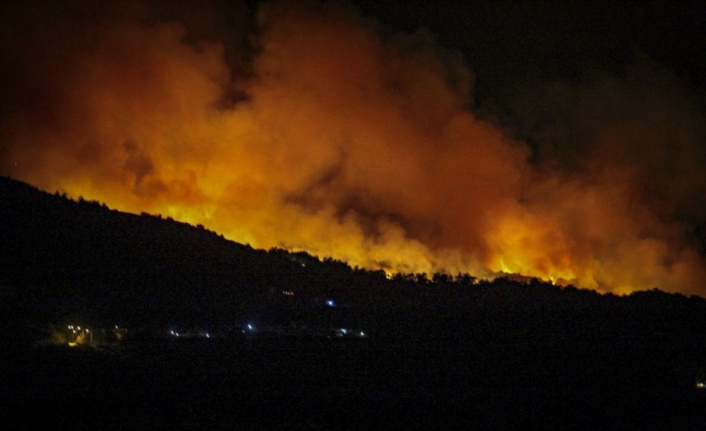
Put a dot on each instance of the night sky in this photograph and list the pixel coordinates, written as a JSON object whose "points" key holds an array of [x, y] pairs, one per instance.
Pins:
{"points": [[562, 140]]}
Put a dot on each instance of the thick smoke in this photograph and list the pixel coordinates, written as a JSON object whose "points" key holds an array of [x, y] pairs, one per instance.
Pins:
{"points": [[311, 127]]}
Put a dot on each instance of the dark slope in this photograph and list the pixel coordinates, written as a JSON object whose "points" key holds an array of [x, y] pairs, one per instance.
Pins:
{"points": [[62, 257], [442, 352], [59, 257]]}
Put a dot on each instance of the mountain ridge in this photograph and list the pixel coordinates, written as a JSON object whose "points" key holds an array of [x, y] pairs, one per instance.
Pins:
{"points": [[62, 257]]}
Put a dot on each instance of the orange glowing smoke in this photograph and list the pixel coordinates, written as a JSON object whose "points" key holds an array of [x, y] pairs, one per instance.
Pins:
{"points": [[350, 142]]}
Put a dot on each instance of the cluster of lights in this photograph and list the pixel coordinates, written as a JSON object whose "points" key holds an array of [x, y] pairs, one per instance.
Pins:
{"points": [[76, 330]]}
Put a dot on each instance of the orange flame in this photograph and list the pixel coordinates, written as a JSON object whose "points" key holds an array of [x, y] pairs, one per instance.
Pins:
{"points": [[349, 144]]}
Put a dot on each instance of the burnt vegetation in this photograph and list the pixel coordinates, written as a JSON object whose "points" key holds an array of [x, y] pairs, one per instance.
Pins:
{"points": [[440, 350]]}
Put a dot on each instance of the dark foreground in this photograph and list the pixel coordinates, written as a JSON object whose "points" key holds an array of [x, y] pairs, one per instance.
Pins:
{"points": [[320, 384]]}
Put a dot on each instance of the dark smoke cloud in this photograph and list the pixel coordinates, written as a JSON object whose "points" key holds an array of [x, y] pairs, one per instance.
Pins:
{"points": [[311, 126]]}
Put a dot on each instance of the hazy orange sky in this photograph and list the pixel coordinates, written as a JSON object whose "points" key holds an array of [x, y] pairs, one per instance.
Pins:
{"points": [[367, 134]]}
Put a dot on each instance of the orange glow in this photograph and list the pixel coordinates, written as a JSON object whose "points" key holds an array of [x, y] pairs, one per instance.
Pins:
{"points": [[350, 145]]}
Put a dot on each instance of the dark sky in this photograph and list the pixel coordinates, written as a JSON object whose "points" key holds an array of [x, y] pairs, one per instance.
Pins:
{"points": [[527, 49], [504, 39], [563, 140]]}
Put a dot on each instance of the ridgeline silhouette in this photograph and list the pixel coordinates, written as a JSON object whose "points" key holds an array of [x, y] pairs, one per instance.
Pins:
{"points": [[440, 351], [62, 257]]}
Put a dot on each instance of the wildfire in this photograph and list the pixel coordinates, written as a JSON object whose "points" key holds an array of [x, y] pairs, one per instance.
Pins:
{"points": [[349, 142]]}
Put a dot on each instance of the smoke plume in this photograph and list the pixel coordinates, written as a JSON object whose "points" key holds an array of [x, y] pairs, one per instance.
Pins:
{"points": [[309, 126]]}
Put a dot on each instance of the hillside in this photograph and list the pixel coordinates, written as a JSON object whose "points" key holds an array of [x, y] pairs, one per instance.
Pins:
{"points": [[60, 257], [437, 349], [78, 256]]}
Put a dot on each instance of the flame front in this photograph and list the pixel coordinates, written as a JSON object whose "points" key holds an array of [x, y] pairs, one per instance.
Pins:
{"points": [[347, 142]]}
